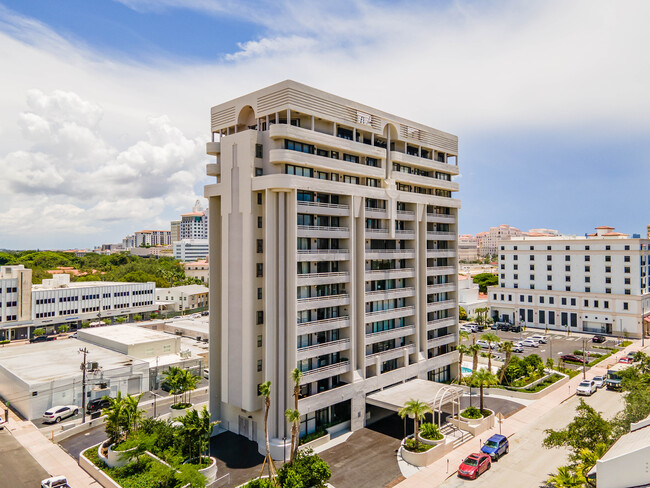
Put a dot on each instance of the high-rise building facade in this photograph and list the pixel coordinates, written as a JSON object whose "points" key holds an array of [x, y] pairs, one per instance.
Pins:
{"points": [[175, 227], [333, 249], [596, 284], [153, 238], [487, 241], [194, 225]]}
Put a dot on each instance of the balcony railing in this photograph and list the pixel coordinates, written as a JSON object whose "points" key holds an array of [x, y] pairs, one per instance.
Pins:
{"points": [[323, 298], [436, 217], [389, 273], [438, 323], [323, 348], [390, 313], [316, 252], [332, 275], [439, 233], [444, 304], [322, 227], [324, 205], [325, 372], [407, 291], [322, 325], [392, 352], [440, 287], [390, 334], [441, 341]]}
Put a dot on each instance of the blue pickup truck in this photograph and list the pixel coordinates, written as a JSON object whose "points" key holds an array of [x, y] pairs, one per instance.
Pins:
{"points": [[496, 446]]}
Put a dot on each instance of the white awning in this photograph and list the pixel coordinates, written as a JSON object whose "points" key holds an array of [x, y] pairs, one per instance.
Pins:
{"points": [[433, 394]]}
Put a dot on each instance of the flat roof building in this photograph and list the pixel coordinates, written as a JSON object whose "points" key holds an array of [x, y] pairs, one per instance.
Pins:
{"points": [[596, 284], [333, 249]]}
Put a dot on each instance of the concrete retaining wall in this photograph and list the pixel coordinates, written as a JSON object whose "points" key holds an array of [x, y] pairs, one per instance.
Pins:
{"points": [[521, 394], [101, 477]]}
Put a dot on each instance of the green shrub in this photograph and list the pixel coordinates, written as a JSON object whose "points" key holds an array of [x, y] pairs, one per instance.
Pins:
{"points": [[307, 470], [409, 444], [430, 432], [260, 483], [181, 406], [4, 342], [471, 413], [626, 343], [313, 436]]}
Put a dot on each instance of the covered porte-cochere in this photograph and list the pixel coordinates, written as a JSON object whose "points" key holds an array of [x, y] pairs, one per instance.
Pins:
{"points": [[436, 395]]}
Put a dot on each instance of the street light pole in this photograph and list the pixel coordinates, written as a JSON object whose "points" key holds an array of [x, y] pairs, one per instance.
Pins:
{"points": [[84, 351]]}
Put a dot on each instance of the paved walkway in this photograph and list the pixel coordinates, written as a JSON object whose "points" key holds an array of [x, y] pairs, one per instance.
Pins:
{"points": [[17, 467], [436, 473], [50, 456]]}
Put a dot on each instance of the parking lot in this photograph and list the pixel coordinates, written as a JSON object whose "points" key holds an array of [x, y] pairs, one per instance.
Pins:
{"points": [[558, 344]]}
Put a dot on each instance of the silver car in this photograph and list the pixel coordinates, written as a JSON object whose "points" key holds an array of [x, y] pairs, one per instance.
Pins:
{"points": [[599, 380]]}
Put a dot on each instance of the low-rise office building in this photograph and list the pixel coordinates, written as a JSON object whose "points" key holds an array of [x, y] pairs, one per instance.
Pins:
{"points": [[191, 249], [199, 269], [15, 301], [598, 283], [179, 298]]}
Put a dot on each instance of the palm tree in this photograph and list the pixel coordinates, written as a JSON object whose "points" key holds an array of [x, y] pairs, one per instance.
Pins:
{"points": [[172, 378], [567, 478], [265, 391], [474, 349], [463, 335], [588, 457], [506, 348], [296, 376], [132, 415], [491, 338], [417, 410], [481, 378], [462, 350], [114, 417], [293, 417]]}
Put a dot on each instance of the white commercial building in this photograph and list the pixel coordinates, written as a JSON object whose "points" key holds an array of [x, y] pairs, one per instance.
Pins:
{"points": [[194, 225], [15, 302], [468, 295], [58, 300], [488, 241], [467, 248], [179, 298], [35, 377], [597, 284], [333, 249], [191, 249], [625, 464], [153, 238], [199, 269]]}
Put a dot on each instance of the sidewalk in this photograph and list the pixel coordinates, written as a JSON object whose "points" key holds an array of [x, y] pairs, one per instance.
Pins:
{"points": [[437, 472]]}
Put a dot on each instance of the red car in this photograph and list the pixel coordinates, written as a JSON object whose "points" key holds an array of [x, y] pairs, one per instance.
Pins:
{"points": [[626, 360], [474, 465]]}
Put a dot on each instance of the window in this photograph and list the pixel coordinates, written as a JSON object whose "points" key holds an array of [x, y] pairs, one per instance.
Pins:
{"points": [[627, 269], [516, 276], [585, 303], [608, 259], [521, 298], [532, 248], [608, 248], [259, 340], [532, 257], [549, 258], [260, 270], [502, 257], [563, 301], [566, 248], [587, 258], [567, 258], [259, 293], [625, 306], [503, 276], [608, 269], [515, 266], [260, 317], [350, 158], [606, 304], [627, 291], [530, 299], [299, 171], [551, 300], [515, 257], [587, 289], [259, 151], [259, 222], [567, 288], [259, 198], [626, 258], [297, 146], [549, 267], [573, 302], [548, 248], [608, 280], [609, 290], [627, 247], [549, 287], [532, 277], [541, 299], [532, 267], [586, 248], [587, 279], [587, 269], [260, 246], [627, 281], [567, 278], [259, 365]]}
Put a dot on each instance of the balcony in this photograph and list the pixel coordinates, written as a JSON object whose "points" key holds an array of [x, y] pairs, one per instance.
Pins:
{"points": [[441, 287], [322, 278], [323, 254], [440, 323], [377, 233], [440, 235], [323, 208], [316, 231], [405, 234], [386, 335], [322, 302], [441, 270], [321, 349], [213, 148], [325, 141], [213, 169], [323, 163], [441, 253], [325, 372], [389, 354], [388, 294], [390, 253], [443, 305], [387, 274], [441, 341], [420, 180], [441, 218], [392, 313], [405, 215], [424, 163], [376, 213], [323, 325]]}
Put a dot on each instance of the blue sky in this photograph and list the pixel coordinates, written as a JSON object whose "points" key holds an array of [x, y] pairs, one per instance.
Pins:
{"points": [[104, 108]]}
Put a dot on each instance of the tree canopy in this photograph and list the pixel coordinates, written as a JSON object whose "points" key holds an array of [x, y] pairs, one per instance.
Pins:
{"points": [[484, 280]]}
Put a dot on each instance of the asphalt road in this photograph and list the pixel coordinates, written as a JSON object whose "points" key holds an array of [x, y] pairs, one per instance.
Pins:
{"points": [[557, 345], [80, 442], [528, 462], [18, 469]]}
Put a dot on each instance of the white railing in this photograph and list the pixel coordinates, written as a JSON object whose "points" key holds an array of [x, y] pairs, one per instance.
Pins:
{"points": [[389, 251], [442, 269], [443, 303], [406, 212], [324, 205], [405, 232], [381, 272], [440, 233], [398, 310], [333, 320], [396, 291], [387, 351], [376, 231], [440, 286], [323, 344], [322, 369], [323, 227], [324, 298], [305, 276], [323, 251], [398, 331]]}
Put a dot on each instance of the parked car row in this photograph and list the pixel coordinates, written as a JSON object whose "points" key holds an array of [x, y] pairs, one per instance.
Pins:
{"points": [[506, 327], [478, 463]]}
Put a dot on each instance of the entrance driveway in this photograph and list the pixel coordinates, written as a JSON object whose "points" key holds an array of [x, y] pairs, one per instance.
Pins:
{"points": [[368, 459]]}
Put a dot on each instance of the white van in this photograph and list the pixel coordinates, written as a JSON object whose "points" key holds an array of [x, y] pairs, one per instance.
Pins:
{"points": [[539, 338]]}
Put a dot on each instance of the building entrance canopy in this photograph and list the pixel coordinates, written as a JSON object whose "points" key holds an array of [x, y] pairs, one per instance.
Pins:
{"points": [[433, 394]]}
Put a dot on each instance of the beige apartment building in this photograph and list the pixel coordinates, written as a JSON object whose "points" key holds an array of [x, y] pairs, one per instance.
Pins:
{"points": [[333, 248]]}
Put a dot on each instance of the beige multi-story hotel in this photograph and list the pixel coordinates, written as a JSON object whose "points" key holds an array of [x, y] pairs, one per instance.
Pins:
{"points": [[595, 284], [333, 248]]}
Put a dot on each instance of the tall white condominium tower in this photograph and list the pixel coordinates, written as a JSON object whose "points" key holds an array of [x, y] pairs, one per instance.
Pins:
{"points": [[333, 249], [194, 225]]}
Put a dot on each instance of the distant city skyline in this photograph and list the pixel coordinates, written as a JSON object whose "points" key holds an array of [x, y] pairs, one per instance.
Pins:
{"points": [[103, 112]]}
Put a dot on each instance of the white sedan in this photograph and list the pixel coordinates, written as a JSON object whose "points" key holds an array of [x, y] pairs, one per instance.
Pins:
{"points": [[60, 412], [586, 387]]}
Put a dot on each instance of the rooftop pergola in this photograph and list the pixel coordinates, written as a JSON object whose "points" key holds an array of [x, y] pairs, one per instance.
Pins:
{"points": [[433, 394]]}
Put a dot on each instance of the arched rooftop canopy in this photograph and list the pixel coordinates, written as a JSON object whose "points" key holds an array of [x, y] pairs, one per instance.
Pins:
{"points": [[433, 394]]}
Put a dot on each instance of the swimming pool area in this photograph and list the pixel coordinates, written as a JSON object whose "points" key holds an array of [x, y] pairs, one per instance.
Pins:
{"points": [[465, 370]]}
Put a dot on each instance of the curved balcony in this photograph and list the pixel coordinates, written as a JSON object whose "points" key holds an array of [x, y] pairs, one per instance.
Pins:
{"points": [[424, 163], [321, 349], [213, 148], [213, 169], [322, 163], [420, 180]]}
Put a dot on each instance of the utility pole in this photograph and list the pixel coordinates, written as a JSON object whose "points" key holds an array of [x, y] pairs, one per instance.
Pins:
{"points": [[584, 359], [84, 351], [642, 322]]}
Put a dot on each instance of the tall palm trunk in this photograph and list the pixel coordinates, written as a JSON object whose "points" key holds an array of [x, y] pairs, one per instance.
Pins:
{"points": [[474, 360], [267, 406], [490, 357], [481, 392], [417, 440], [505, 366]]}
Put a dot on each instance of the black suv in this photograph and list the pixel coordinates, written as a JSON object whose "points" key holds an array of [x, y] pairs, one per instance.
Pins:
{"points": [[598, 339], [43, 338], [514, 328], [97, 405]]}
